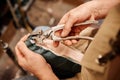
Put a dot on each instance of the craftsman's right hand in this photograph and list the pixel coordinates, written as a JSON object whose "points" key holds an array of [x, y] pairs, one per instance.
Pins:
{"points": [[33, 62], [91, 10]]}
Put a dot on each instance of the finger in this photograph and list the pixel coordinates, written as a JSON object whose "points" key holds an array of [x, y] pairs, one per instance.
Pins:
{"points": [[74, 41], [18, 52], [68, 25], [67, 42], [19, 56], [24, 38], [23, 49], [64, 19]]}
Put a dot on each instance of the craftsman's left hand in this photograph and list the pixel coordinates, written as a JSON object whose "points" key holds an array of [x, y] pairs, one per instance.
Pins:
{"points": [[33, 62]]}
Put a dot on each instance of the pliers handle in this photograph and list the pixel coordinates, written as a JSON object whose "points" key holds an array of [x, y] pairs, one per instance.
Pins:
{"points": [[51, 33], [59, 27]]}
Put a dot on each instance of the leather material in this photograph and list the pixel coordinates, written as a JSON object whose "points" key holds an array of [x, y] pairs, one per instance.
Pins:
{"points": [[62, 67]]}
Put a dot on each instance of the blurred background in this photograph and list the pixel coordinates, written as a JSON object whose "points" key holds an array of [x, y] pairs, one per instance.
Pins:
{"points": [[19, 17]]}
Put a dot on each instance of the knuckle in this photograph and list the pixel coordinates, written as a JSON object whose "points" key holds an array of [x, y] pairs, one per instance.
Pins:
{"points": [[18, 44], [67, 29], [71, 15]]}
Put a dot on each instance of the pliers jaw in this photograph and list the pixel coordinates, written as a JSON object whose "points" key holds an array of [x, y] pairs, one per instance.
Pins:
{"points": [[39, 37], [36, 37], [50, 34]]}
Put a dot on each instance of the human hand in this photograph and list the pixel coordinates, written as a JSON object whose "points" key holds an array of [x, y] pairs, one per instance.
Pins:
{"points": [[77, 15], [33, 62], [91, 10]]}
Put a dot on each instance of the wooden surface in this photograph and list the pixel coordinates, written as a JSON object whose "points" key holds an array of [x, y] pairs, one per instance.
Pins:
{"points": [[9, 32]]}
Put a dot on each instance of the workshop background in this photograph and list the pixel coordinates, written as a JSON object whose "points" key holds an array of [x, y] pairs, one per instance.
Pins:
{"points": [[19, 17]]}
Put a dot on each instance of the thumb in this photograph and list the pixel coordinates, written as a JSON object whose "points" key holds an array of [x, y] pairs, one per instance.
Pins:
{"points": [[67, 28], [65, 32], [68, 25]]}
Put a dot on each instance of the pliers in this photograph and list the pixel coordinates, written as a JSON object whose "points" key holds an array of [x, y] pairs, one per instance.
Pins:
{"points": [[51, 33]]}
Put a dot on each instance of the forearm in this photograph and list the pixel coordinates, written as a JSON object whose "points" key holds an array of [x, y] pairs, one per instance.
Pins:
{"points": [[102, 7], [105, 6]]}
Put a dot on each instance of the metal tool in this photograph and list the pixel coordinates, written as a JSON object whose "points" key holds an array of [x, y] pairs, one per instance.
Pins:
{"points": [[51, 33]]}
